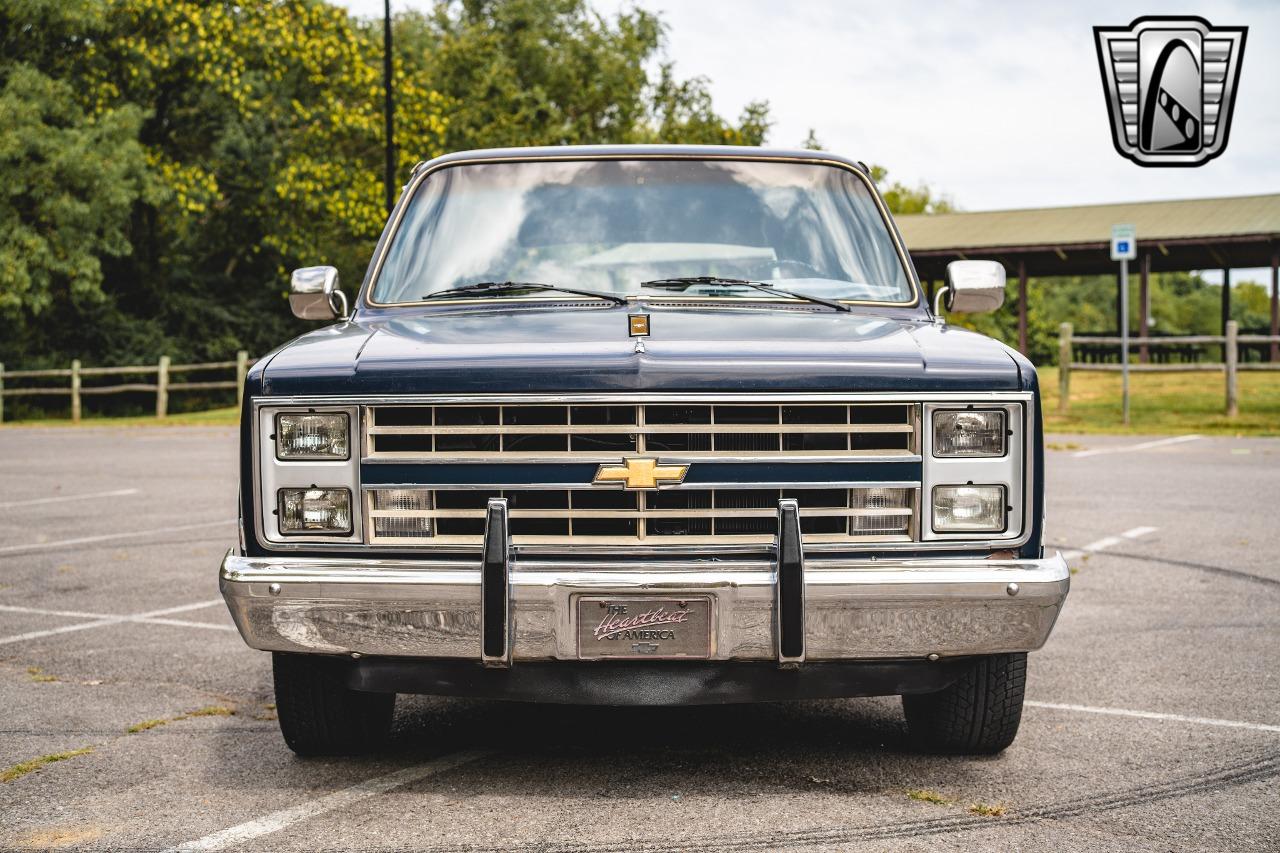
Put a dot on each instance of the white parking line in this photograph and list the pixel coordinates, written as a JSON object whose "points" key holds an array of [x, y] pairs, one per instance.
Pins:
{"points": [[148, 617], [117, 493], [1107, 542], [1145, 445], [1154, 715], [107, 537], [279, 820], [79, 614]]}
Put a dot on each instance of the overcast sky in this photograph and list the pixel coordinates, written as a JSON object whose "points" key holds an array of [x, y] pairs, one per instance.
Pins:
{"points": [[998, 105]]}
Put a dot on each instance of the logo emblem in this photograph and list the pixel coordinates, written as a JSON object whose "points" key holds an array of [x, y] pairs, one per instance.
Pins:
{"points": [[1170, 84], [640, 474], [638, 325]]}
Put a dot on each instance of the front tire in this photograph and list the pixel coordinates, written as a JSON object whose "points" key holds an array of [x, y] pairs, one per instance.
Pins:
{"points": [[977, 715], [319, 716]]}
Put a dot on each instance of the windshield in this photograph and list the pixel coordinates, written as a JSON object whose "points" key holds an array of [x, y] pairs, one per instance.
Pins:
{"points": [[612, 225]]}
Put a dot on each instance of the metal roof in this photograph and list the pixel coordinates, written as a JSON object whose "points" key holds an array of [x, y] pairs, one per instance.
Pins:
{"points": [[1240, 231], [1201, 218]]}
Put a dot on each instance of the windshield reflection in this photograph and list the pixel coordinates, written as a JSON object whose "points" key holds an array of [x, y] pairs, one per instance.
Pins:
{"points": [[608, 225]]}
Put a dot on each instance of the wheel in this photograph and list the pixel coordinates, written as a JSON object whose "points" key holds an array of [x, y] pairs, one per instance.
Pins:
{"points": [[318, 716], [977, 715]]}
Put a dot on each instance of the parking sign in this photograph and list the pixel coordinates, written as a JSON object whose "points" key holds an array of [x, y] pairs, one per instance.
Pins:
{"points": [[1124, 243]]}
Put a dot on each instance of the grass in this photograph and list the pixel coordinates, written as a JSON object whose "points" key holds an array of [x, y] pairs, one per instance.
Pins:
{"points": [[207, 711], [987, 811], [926, 796], [1163, 403], [229, 416], [22, 768], [40, 677]]}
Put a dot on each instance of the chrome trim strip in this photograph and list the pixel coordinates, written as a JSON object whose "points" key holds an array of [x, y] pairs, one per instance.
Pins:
{"points": [[780, 457], [623, 398]]}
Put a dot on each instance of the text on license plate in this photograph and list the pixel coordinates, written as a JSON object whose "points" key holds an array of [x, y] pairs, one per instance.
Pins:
{"points": [[631, 626]]}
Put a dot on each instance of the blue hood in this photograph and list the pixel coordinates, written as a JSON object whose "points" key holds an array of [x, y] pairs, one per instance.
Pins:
{"points": [[560, 348]]}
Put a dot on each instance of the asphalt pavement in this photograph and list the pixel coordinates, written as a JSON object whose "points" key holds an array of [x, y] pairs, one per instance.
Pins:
{"points": [[1153, 720]]}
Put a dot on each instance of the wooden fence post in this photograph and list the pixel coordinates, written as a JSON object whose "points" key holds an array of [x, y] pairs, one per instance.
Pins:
{"points": [[242, 369], [1231, 355], [162, 387], [75, 390], [1064, 367], [1, 392]]}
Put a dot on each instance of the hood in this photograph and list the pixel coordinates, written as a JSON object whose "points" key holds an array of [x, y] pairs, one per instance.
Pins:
{"points": [[562, 348]]}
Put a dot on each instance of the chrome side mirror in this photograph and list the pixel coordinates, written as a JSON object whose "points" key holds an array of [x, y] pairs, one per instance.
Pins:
{"points": [[972, 287], [314, 294]]}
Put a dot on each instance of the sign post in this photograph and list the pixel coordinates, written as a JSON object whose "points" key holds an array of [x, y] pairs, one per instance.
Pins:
{"points": [[1124, 248]]}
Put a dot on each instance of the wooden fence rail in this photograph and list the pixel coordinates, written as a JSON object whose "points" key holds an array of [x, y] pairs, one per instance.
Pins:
{"points": [[1230, 366], [162, 370]]}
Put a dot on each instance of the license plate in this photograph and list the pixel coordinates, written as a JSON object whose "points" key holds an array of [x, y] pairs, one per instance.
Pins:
{"points": [[643, 627]]}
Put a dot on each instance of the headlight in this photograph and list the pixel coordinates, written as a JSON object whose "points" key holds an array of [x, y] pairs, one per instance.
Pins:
{"points": [[309, 435], [315, 511], [969, 509], [969, 432]]}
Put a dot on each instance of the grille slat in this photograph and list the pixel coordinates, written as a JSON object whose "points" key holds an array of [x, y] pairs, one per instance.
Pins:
{"points": [[590, 432], [689, 516]]}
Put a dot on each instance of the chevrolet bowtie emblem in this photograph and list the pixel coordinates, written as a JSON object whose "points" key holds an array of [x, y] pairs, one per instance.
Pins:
{"points": [[640, 474]]}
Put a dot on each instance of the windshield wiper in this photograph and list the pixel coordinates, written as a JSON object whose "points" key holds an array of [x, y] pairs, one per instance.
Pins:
{"points": [[483, 287], [686, 281]]}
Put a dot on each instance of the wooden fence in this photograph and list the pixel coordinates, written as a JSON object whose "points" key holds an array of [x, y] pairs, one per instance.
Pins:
{"points": [[163, 385], [1229, 367]]}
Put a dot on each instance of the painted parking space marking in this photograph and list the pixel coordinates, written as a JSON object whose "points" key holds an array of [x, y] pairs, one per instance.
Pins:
{"points": [[108, 537], [1154, 715], [1144, 445], [284, 818], [150, 617], [108, 617], [1108, 542], [115, 493]]}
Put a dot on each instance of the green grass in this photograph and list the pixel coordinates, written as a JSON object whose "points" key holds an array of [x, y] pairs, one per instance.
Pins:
{"points": [[1163, 403], [230, 416], [22, 768]]}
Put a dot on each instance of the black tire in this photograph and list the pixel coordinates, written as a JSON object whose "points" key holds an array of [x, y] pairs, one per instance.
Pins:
{"points": [[319, 716], [977, 715]]}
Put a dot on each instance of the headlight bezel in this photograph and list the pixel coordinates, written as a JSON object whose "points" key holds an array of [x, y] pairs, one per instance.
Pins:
{"points": [[1013, 470], [279, 431], [1001, 430]]}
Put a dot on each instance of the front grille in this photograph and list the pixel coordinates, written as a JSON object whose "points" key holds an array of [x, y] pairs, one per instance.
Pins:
{"points": [[407, 516], [603, 432]]}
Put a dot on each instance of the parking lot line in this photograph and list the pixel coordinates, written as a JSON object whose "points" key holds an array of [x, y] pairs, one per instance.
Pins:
{"points": [[103, 621], [107, 537], [115, 493], [1155, 715], [1144, 445], [1108, 541], [283, 818]]}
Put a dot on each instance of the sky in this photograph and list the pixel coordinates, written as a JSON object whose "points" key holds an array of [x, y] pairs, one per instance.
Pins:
{"points": [[997, 105]]}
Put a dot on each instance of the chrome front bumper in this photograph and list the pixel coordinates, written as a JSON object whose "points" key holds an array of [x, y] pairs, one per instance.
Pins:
{"points": [[852, 609]]}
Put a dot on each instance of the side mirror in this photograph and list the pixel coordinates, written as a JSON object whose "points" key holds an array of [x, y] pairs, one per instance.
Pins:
{"points": [[972, 287], [314, 294]]}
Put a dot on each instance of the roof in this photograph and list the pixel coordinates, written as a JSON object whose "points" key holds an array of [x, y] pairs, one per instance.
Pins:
{"points": [[1239, 231]]}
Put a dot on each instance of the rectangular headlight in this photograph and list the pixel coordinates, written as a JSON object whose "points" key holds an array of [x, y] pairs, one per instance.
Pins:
{"points": [[315, 511], [969, 432], [969, 509], [313, 435]]}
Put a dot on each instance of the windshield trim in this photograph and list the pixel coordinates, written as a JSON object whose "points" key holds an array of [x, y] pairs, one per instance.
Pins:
{"points": [[365, 297]]}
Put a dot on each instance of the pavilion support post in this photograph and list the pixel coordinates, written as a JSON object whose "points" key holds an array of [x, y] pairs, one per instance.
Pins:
{"points": [[1064, 368], [1232, 348], [1226, 298], [1275, 303], [1144, 308], [1022, 307]]}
